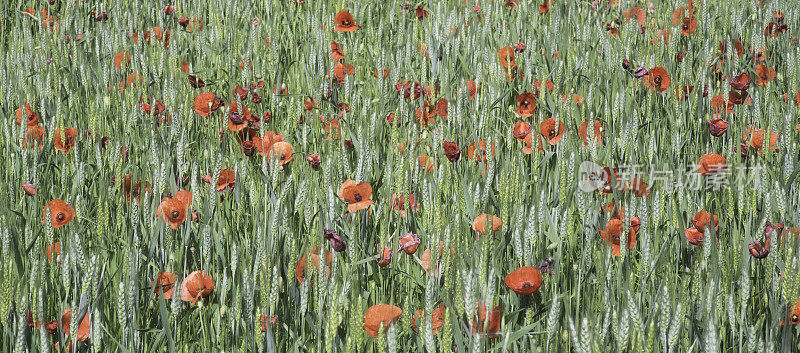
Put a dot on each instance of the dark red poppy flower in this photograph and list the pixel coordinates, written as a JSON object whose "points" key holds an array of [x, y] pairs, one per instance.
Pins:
{"points": [[409, 243], [451, 151]]}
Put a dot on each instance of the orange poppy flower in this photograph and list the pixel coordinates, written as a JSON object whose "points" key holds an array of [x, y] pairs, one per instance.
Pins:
{"points": [[60, 213], [344, 22], [638, 187], [174, 210], [472, 89], [265, 144], [614, 230], [612, 208], [336, 52], [478, 152], [35, 137], [342, 70], [521, 130], [437, 319], [67, 142], [203, 103], [524, 280], [507, 59], [694, 236], [398, 203], [711, 163], [133, 190], [268, 322], [380, 315], [479, 224], [578, 99], [703, 219], [385, 257], [227, 178], [83, 329], [755, 138], [717, 127], [122, 58], [657, 79], [764, 75], [426, 163], [356, 195], [537, 83], [314, 255], [548, 130], [29, 189], [637, 13], [409, 243], [688, 25], [164, 283], [53, 252], [584, 133], [238, 120], [526, 104], [488, 323], [332, 129], [195, 286], [30, 117], [282, 151], [544, 7]]}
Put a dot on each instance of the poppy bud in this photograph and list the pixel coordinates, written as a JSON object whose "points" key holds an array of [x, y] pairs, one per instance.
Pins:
{"points": [[409, 243], [183, 21], [717, 127], [196, 217], [207, 178], [626, 64], [314, 160], [349, 143], [196, 82], [451, 151], [30, 189], [385, 257], [266, 117], [101, 17], [336, 241], [256, 97], [169, 10], [640, 72]]}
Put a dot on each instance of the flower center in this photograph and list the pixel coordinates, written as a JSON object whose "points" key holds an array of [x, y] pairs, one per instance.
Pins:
{"points": [[795, 318], [347, 23], [357, 196], [657, 80], [551, 133], [175, 213], [60, 217]]}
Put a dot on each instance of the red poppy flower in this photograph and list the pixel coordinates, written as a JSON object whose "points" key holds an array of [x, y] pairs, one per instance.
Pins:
{"points": [[344, 22], [29, 189], [337, 243], [195, 286], [478, 152], [703, 219], [637, 13], [524, 280], [426, 163], [336, 52], [204, 103], [741, 82]]}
